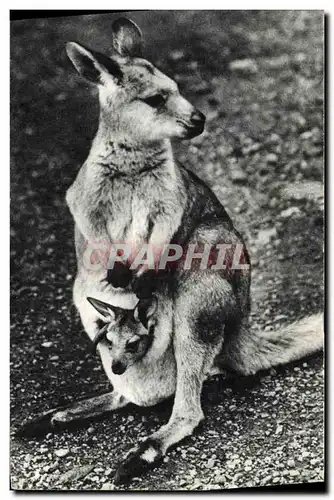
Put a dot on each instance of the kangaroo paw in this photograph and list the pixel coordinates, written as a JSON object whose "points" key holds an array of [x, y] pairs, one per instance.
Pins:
{"points": [[140, 459], [120, 276]]}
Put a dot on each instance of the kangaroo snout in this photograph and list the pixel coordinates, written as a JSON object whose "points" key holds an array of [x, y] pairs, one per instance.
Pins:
{"points": [[197, 118], [118, 367], [197, 122]]}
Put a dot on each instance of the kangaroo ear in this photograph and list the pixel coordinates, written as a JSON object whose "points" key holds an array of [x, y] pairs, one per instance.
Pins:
{"points": [[126, 38], [105, 310], [92, 65], [145, 310]]}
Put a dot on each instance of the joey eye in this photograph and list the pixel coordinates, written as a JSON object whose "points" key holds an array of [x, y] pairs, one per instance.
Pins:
{"points": [[133, 346], [155, 101]]}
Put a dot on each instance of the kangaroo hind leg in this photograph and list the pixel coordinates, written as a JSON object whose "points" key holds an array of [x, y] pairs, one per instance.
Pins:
{"points": [[75, 412], [198, 338]]}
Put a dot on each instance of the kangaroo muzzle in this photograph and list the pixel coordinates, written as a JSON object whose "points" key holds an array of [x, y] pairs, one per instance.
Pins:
{"points": [[196, 124], [118, 367]]}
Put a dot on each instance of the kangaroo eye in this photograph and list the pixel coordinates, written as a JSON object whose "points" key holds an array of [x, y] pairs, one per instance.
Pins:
{"points": [[133, 346], [155, 101]]}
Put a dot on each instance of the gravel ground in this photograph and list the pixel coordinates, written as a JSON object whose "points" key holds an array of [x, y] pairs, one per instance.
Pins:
{"points": [[258, 78]]}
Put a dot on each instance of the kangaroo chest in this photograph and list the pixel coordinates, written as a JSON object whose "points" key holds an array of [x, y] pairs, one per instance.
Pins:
{"points": [[123, 209], [111, 208], [130, 214]]}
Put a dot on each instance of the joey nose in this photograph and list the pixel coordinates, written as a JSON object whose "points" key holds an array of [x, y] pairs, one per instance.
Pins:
{"points": [[197, 118], [118, 368]]}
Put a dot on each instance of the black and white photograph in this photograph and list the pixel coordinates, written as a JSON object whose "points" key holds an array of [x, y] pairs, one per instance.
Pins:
{"points": [[167, 250]]}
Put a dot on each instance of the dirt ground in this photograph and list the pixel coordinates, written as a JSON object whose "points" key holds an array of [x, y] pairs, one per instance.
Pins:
{"points": [[258, 78]]}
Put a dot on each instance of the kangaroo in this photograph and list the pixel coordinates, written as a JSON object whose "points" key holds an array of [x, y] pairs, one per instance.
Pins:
{"points": [[129, 190], [193, 322]]}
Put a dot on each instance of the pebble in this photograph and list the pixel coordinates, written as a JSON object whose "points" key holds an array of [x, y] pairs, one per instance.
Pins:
{"points": [[272, 158], [238, 176], [265, 235], [62, 452], [47, 344], [176, 55], [210, 463], [289, 212], [306, 135], [107, 486], [244, 66]]}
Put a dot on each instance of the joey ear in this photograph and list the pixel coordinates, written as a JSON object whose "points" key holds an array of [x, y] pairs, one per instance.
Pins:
{"points": [[105, 310], [145, 310], [126, 38], [92, 65]]}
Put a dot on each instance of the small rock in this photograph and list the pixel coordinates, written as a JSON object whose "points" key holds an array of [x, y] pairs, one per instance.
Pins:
{"points": [[291, 463], [294, 473], [306, 135], [272, 158], [238, 176], [210, 463], [176, 55], [220, 478], [244, 66], [47, 344], [107, 486], [54, 358], [74, 474], [289, 212], [277, 62], [265, 235], [62, 452]]}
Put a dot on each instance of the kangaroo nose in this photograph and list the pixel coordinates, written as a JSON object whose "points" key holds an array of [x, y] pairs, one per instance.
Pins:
{"points": [[118, 368], [197, 118]]}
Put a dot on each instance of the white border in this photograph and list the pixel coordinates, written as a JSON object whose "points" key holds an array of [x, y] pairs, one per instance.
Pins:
{"points": [[4, 185]]}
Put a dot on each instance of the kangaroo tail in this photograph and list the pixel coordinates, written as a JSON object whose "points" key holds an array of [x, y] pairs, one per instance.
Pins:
{"points": [[252, 351]]}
